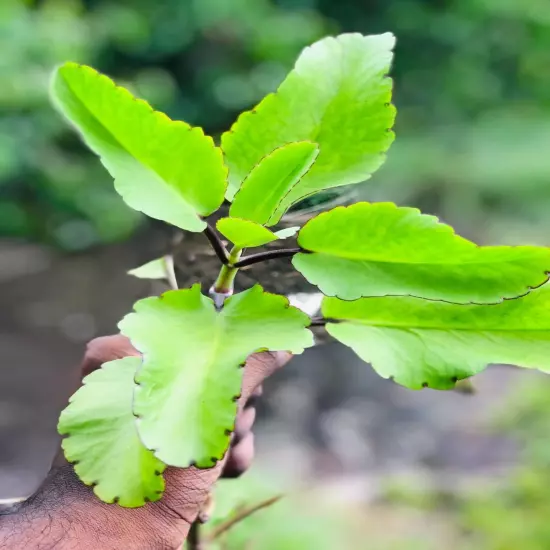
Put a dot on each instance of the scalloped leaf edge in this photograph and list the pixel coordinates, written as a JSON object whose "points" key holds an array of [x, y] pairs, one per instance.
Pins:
{"points": [[159, 115], [448, 229], [269, 97]]}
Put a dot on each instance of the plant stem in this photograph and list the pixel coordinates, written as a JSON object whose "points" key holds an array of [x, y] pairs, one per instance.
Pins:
{"points": [[223, 287], [194, 538], [269, 255], [240, 516], [322, 321], [217, 244]]}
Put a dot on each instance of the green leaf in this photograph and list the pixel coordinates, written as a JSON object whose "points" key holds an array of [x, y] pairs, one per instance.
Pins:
{"points": [[102, 439], [244, 233], [420, 343], [287, 232], [190, 378], [271, 180], [165, 169], [155, 269], [337, 96], [380, 249]]}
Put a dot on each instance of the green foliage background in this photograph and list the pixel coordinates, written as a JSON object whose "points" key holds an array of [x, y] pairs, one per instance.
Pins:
{"points": [[506, 513], [471, 88]]}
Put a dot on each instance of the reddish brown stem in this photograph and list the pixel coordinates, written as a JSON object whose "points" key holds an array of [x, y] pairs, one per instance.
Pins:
{"points": [[269, 255], [217, 244]]}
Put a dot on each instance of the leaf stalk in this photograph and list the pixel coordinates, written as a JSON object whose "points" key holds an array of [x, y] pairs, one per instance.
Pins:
{"points": [[265, 256], [223, 287], [217, 244]]}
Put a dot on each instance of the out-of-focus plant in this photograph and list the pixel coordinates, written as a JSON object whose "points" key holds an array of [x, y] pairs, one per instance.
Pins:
{"points": [[47, 188], [233, 52], [294, 521], [508, 512], [515, 515], [472, 93], [475, 115]]}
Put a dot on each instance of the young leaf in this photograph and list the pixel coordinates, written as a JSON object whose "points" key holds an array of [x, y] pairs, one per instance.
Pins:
{"points": [[102, 438], [165, 169], [271, 180], [338, 96], [421, 343], [381, 249], [155, 269], [190, 378], [287, 232], [244, 233]]}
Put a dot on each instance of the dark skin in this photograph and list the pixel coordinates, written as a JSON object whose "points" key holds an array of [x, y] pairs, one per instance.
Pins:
{"points": [[64, 514]]}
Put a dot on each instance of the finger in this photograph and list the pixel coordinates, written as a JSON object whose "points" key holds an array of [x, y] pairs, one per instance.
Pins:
{"points": [[260, 366], [258, 392], [240, 458], [104, 349], [244, 424], [254, 397]]}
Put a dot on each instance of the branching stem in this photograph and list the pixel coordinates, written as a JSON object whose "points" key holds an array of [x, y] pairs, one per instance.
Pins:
{"points": [[269, 255], [223, 287]]}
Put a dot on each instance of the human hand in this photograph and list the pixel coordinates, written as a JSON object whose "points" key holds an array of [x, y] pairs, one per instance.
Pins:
{"points": [[74, 515]]}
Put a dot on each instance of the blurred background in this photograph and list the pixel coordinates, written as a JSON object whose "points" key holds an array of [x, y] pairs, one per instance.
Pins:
{"points": [[366, 464]]}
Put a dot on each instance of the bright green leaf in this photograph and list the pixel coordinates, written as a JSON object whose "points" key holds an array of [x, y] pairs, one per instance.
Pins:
{"points": [[380, 249], [338, 96], [190, 376], [102, 438], [271, 180], [165, 169], [287, 232], [244, 233], [155, 269], [420, 343]]}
